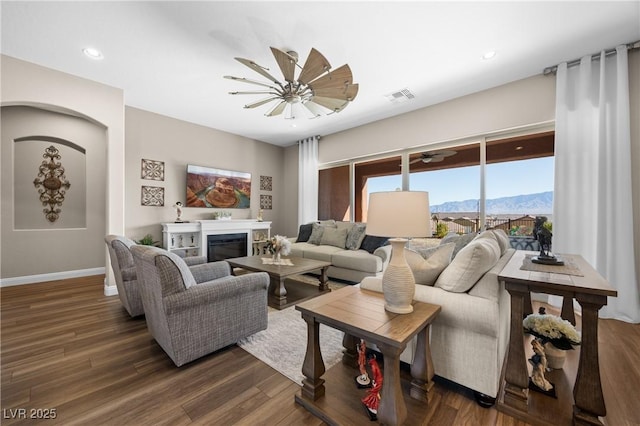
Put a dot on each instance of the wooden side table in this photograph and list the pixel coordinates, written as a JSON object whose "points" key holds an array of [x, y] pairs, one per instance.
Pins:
{"points": [[360, 314], [591, 291]]}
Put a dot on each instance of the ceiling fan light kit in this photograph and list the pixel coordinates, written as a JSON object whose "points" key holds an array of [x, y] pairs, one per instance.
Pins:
{"points": [[318, 89], [433, 156]]}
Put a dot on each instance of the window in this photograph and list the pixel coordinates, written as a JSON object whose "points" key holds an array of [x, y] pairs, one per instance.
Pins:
{"points": [[517, 184]]}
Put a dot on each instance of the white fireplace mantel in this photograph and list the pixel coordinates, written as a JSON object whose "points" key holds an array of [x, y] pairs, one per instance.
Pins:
{"points": [[192, 236]]}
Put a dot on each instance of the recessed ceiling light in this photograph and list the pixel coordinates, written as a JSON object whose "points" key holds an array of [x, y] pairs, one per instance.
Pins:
{"points": [[518, 148], [489, 55], [93, 53]]}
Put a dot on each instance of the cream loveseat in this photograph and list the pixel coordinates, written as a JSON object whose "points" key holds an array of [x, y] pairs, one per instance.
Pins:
{"points": [[353, 254], [470, 335]]}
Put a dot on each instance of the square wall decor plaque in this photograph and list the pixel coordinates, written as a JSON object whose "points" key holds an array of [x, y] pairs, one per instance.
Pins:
{"points": [[152, 170], [266, 183], [266, 202], [152, 196]]}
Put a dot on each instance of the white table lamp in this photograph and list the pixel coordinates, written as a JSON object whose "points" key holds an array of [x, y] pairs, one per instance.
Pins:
{"points": [[399, 215]]}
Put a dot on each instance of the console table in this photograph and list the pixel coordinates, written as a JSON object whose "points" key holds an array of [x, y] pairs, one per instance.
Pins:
{"points": [[591, 291], [361, 314]]}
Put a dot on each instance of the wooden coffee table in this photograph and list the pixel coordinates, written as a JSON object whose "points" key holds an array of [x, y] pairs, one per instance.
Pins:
{"points": [[361, 315], [279, 297]]}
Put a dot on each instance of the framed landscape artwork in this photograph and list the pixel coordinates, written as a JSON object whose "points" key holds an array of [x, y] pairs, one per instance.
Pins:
{"points": [[217, 188]]}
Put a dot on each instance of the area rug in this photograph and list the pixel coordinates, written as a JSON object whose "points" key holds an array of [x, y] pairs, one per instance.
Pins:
{"points": [[283, 344]]}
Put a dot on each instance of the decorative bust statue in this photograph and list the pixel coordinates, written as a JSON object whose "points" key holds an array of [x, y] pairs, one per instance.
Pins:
{"points": [[178, 207]]}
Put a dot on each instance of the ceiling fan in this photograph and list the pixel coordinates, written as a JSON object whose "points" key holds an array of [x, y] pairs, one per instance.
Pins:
{"points": [[433, 156], [318, 89]]}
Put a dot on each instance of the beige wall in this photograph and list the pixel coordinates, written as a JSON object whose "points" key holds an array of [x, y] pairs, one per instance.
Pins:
{"points": [[31, 244], [24, 83], [521, 103], [178, 143]]}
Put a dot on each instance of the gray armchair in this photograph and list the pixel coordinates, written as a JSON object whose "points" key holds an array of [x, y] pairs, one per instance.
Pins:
{"points": [[192, 312], [124, 271]]}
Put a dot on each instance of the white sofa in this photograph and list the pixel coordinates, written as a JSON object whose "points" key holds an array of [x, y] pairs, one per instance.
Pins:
{"points": [[470, 335], [342, 245]]}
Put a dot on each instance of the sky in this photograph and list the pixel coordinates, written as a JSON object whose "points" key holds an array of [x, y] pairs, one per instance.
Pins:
{"points": [[463, 183]]}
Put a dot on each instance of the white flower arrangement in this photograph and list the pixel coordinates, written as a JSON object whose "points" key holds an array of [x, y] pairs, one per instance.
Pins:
{"points": [[551, 328], [279, 244]]}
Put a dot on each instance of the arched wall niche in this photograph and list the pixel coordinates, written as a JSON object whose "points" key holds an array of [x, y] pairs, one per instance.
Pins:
{"points": [[27, 84], [32, 244]]}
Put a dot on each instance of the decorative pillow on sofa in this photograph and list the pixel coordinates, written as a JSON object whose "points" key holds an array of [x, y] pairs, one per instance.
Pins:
{"points": [[503, 240], [427, 264], [460, 240], [334, 237], [316, 234], [500, 236], [371, 243], [471, 263], [355, 236], [304, 233]]}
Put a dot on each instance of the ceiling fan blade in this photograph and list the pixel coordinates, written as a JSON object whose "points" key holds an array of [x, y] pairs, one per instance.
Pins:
{"points": [[313, 108], [257, 68], [255, 92], [286, 62], [262, 102], [277, 110], [347, 94], [417, 160], [314, 66], [436, 159], [335, 105], [246, 80], [338, 78]]}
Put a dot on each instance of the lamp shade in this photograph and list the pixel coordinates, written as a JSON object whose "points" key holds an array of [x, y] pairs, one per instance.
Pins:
{"points": [[399, 214]]}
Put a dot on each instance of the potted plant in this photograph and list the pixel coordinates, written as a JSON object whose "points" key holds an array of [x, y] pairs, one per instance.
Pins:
{"points": [[147, 240]]}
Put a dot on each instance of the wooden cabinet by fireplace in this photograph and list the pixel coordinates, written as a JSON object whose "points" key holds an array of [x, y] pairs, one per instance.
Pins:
{"points": [[184, 237], [192, 237]]}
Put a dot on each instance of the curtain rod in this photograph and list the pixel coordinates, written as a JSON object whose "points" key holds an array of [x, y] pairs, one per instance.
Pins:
{"points": [[594, 57]]}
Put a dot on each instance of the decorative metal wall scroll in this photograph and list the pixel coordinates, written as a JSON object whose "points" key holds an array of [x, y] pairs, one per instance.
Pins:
{"points": [[266, 183], [51, 184], [152, 196], [152, 170], [266, 202]]}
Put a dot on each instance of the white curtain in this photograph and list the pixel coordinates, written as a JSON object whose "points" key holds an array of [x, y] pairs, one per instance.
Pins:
{"points": [[592, 212], [308, 180]]}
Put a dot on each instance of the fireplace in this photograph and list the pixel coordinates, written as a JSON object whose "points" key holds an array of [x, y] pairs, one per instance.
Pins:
{"points": [[225, 246]]}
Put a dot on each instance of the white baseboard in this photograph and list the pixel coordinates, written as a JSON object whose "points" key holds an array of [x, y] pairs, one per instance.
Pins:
{"points": [[110, 290], [55, 276]]}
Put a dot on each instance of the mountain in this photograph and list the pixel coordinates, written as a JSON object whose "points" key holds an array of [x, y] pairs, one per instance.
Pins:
{"points": [[531, 204]]}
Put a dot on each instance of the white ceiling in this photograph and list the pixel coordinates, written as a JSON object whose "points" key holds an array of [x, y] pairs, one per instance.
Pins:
{"points": [[170, 57]]}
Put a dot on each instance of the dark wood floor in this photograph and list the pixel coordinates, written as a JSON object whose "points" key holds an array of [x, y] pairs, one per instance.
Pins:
{"points": [[69, 351]]}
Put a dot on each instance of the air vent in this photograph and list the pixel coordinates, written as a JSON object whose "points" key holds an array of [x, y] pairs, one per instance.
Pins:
{"points": [[400, 96]]}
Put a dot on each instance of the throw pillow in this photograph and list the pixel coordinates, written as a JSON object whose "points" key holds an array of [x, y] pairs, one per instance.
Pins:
{"points": [[460, 240], [334, 237], [471, 263], [427, 264], [500, 236], [355, 236], [316, 234], [503, 240], [328, 222], [371, 243], [304, 233]]}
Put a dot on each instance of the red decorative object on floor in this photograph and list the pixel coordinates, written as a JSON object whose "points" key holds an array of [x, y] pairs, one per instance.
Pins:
{"points": [[372, 400]]}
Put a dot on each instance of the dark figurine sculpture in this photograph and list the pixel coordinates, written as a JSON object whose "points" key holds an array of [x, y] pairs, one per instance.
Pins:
{"points": [[543, 236]]}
